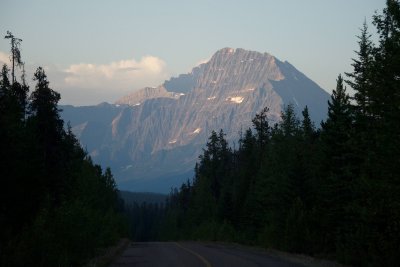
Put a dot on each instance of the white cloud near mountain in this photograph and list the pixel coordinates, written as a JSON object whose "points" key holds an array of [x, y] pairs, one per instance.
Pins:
{"points": [[118, 75], [202, 61], [4, 58], [89, 84]]}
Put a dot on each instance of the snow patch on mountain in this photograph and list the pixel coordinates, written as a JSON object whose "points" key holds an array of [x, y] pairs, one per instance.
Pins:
{"points": [[198, 130], [235, 99]]}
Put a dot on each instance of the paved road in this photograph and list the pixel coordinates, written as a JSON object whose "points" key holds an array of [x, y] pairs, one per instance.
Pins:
{"points": [[193, 254]]}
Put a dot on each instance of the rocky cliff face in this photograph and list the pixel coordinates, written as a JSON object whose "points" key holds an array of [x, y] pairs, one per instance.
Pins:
{"points": [[158, 133]]}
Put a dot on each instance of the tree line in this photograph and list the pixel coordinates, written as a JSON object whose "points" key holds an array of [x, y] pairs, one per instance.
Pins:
{"points": [[57, 207], [331, 191]]}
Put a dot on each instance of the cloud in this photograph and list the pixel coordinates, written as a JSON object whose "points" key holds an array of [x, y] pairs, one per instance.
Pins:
{"points": [[202, 61], [4, 58], [119, 76], [89, 84]]}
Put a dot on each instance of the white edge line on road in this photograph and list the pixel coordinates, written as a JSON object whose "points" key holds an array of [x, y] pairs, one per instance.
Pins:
{"points": [[194, 253]]}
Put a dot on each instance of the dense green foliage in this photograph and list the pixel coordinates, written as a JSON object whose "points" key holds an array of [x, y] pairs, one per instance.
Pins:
{"points": [[57, 208], [332, 191]]}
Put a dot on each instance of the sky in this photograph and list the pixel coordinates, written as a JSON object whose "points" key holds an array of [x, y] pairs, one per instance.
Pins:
{"points": [[95, 51]]}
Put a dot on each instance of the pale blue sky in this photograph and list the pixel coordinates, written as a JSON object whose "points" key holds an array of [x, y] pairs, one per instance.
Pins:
{"points": [[163, 38]]}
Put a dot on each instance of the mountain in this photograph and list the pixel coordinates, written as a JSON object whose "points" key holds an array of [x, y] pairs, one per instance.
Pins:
{"points": [[152, 137]]}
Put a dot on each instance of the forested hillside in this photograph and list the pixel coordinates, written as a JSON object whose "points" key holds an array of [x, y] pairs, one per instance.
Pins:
{"points": [[331, 191], [57, 208]]}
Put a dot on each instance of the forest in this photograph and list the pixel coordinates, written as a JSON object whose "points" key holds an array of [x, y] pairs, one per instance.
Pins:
{"points": [[57, 207], [330, 191]]}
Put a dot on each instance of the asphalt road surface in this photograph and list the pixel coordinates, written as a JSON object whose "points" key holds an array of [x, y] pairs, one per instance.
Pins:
{"points": [[193, 254]]}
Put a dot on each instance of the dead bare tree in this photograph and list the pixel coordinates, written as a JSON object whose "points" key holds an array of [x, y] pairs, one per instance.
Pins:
{"points": [[15, 53]]}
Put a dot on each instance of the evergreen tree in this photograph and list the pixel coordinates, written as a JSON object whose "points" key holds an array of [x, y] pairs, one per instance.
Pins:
{"points": [[337, 128], [13, 99], [290, 123], [244, 182], [339, 166], [47, 128], [362, 81], [307, 126], [4, 84], [386, 93], [260, 124], [12, 156], [361, 77], [382, 176]]}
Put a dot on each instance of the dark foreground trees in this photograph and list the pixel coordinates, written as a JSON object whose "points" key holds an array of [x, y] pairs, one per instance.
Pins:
{"points": [[57, 208], [332, 192]]}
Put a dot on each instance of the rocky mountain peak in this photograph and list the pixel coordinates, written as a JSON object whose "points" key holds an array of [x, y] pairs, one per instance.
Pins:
{"points": [[237, 69], [228, 70]]}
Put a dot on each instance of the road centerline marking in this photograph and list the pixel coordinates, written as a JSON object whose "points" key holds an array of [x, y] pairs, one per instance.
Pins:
{"points": [[206, 262]]}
